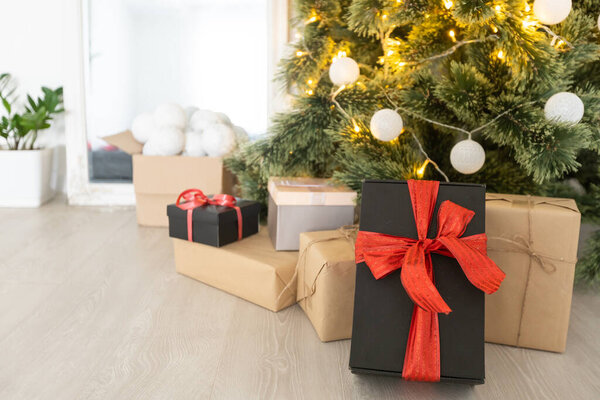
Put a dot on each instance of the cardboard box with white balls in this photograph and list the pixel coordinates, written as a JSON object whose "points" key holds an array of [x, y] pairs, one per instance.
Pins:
{"points": [[174, 149]]}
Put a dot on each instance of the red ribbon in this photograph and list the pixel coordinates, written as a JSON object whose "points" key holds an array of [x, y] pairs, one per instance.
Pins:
{"points": [[194, 198], [386, 253]]}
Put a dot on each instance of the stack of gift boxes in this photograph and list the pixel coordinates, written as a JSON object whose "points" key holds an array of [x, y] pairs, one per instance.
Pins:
{"points": [[408, 284], [221, 244]]}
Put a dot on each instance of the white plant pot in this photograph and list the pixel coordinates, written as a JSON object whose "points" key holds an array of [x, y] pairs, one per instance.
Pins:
{"points": [[25, 177]]}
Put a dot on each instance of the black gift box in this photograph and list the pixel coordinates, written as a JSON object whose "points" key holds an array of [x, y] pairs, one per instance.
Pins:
{"points": [[383, 310], [214, 225]]}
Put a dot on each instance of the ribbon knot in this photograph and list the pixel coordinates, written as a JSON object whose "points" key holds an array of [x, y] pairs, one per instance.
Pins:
{"points": [[194, 198], [384, 254], [430, 245]]}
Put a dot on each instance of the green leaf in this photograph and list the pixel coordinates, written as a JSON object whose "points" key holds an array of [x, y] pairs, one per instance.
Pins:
{"points": [[6, 105]]}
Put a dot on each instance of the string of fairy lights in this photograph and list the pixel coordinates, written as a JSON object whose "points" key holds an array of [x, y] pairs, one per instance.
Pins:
{"points": [[467, 156]]}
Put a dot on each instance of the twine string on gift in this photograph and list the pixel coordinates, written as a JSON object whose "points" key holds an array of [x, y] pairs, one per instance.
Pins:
{"points": [[347, 232], [524, 245], [194, 198], [521, 245]]}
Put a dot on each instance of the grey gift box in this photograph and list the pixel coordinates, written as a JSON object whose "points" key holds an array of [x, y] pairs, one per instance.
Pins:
{"points": [[299, 205]]}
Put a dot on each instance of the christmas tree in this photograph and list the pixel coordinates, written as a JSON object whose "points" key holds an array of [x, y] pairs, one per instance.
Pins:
{"points": [[405, 89]]}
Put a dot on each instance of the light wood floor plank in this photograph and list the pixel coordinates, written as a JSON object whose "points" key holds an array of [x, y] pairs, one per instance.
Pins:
{"points": [[91, 308]]}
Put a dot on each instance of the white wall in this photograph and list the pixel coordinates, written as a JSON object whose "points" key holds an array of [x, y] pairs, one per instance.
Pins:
{"points": [[33, 51]]}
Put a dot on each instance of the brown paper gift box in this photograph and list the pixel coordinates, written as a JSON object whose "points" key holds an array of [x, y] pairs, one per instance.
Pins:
{"points": [[250, 269], [534, 241], [326, 279], [158, 180]]}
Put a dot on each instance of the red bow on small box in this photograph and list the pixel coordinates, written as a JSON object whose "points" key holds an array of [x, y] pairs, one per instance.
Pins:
{"points": [[194, 198], [386, 253]]}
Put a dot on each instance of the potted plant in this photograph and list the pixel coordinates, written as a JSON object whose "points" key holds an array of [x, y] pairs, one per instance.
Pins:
{"points": [[25, 169]]}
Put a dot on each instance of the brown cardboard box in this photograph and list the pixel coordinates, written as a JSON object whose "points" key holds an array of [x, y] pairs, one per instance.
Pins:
{"points": [[250, 269], [534, 241], [326, 278], [158, 180]]}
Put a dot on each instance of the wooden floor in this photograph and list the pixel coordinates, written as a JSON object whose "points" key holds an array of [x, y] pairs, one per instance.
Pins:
{"points": [[91, 308]]}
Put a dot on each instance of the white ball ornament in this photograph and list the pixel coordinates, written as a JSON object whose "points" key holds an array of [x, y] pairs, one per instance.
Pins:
{"points": [[241, 136], [224, 118], [149, 150], [165, 141], [467, 156], [170, 114], [189, 111], [218, 140], [386, 125], [551, 12], [203, 119], [598, 21], [344, 71], [564, 107], [142, 127], [193, 144]]}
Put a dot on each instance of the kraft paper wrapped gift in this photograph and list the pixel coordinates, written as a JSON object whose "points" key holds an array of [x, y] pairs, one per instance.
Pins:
{"points": [[157, 180], [534, 241], [326, 278], [299, 205], [249, 268]]}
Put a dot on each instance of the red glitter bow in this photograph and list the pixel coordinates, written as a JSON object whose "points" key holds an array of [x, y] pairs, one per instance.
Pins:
{"points": [[194, 198], [386, 253]]}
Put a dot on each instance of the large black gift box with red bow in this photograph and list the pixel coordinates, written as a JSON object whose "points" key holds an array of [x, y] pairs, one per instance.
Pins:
{"points": [[214, 225], [383, 311]]}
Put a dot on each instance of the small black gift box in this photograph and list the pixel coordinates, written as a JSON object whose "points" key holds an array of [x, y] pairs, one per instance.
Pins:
{"points": [[383, 310], [212, 223]]}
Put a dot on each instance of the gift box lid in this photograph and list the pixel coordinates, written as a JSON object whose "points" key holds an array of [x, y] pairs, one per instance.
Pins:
{"points": [[210, 214], [310, 191]]}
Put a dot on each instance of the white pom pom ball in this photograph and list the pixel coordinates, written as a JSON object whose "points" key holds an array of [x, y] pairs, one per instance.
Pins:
{"points": [[165, 141], [564, 107], [386, 125], [218, 140], [551, 12], [204, 118], [241, 136], [467, 156], [149, 150], [193, 144], [189, 111], [344, 71], [170, 114], [224, 118], [142, 127]]}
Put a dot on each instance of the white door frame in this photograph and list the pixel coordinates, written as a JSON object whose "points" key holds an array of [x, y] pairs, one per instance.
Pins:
{"points": [[80, 190]]}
